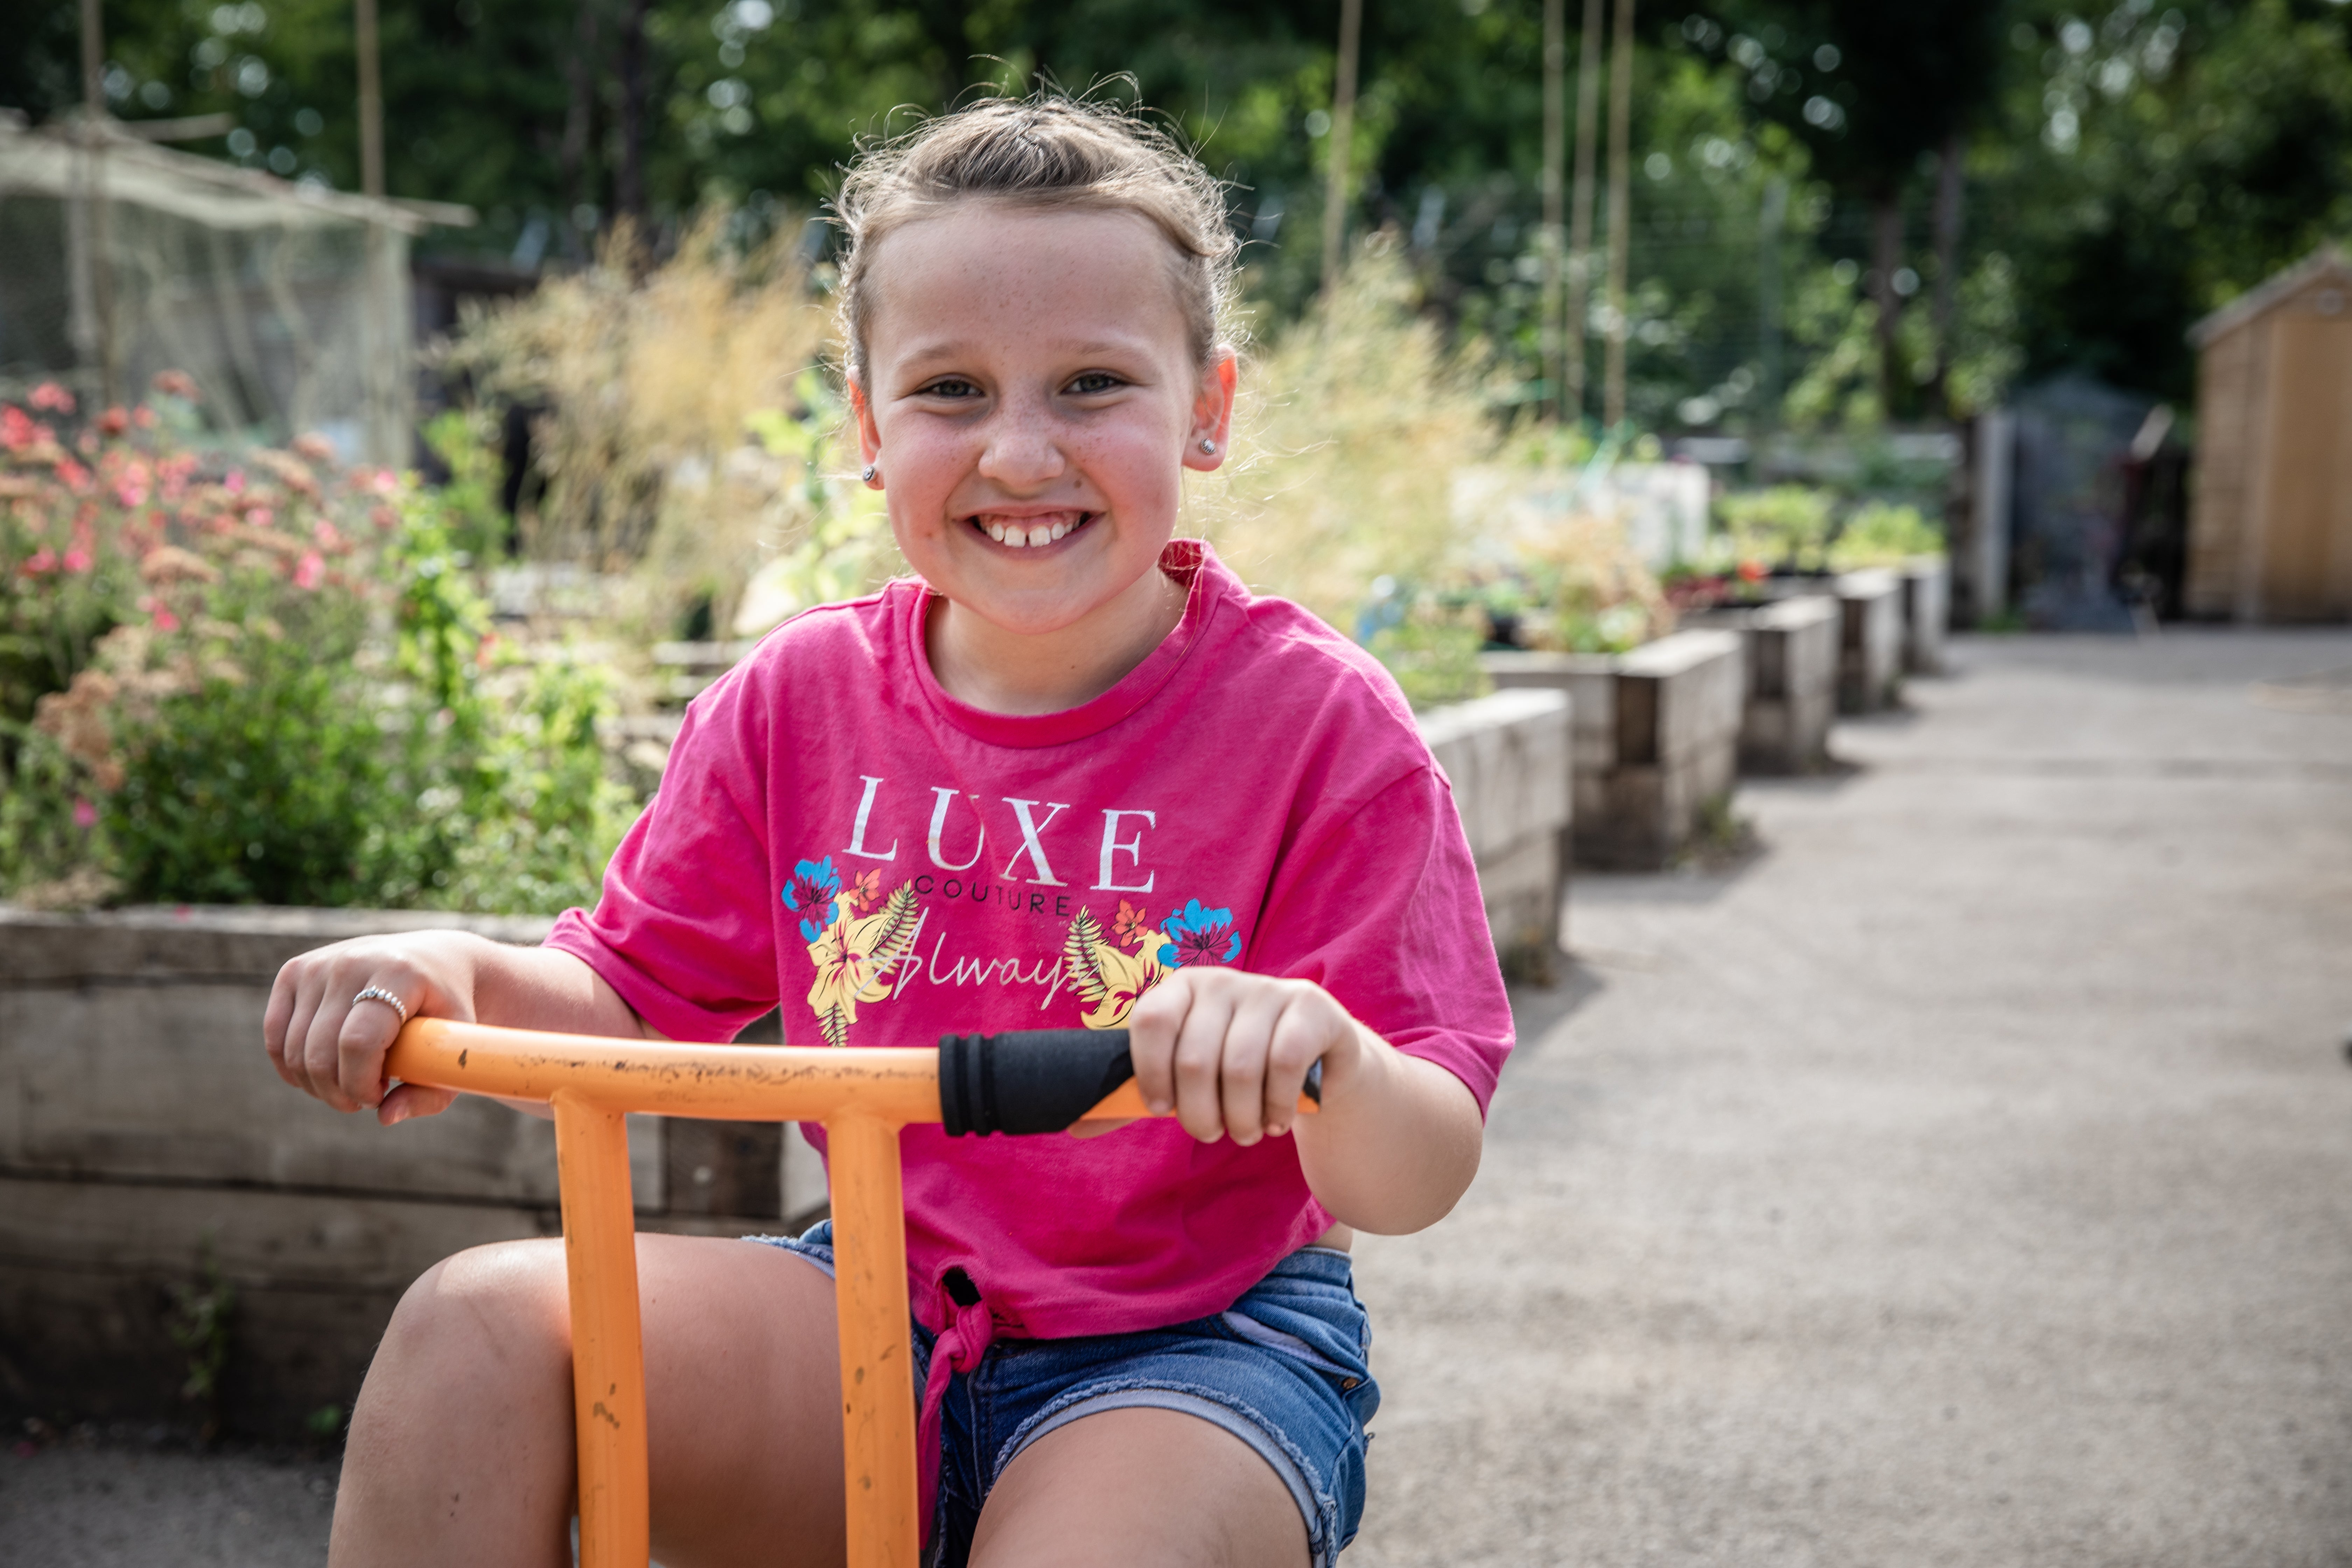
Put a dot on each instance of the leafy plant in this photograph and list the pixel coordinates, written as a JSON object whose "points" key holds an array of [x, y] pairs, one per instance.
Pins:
{"points": [[1435, 661], [1786, 526], [303, 702], [198, 1323], [1880, 534]]}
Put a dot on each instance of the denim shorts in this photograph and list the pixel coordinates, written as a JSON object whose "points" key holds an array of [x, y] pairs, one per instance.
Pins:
{"points": [[1284, 1370]]}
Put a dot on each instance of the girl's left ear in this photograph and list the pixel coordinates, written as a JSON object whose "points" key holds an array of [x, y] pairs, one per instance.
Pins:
{"points": [[1213, 414], [869, 436]]}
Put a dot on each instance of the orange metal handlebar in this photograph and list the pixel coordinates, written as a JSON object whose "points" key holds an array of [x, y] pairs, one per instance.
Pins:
{"points": [[861, 1096]]}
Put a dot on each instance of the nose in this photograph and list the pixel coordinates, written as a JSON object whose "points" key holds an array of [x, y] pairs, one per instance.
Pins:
{"points": [[1022, 450]]}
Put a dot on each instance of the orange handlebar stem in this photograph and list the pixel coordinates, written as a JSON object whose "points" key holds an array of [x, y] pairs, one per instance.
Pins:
{"points": [[861, 1096]]}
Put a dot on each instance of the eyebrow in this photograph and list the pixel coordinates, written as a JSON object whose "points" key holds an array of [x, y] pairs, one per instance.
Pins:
{"points": [[950, 349]]}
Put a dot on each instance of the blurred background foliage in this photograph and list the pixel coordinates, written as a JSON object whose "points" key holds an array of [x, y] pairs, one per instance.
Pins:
{"points": [[2121, 169]]}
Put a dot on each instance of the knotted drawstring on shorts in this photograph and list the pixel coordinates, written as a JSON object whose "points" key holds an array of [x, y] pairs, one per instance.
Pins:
{"points": [[970, 1330]]}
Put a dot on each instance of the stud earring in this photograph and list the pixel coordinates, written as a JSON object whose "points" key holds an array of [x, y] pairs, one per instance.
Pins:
{"points": [[1208, 446], [868, 474]]}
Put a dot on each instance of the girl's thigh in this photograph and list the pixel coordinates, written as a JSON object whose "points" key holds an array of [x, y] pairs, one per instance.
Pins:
{"points": [[1144, 1488], [743, 1404], [461, 1446]]}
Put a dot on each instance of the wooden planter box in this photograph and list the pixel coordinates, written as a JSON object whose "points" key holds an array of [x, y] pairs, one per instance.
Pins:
{"points": [[1927, 613], [144, 1139], [1870, 641], [1656, 739], [1791, 650], [1507, 758]]}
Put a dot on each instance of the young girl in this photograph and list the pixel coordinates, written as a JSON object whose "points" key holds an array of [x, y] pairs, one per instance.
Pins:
{"points": [[1073, 774]]}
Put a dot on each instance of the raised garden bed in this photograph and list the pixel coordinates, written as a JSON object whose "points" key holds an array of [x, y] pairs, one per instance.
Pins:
{"points": [[1792, 679], [145, 1144], [1507, 758], [1656, 739], [1927, 612]]}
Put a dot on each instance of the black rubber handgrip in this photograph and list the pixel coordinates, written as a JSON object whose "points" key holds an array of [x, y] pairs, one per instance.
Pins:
{"points": [[1027, 1081], [1037, 1080]]}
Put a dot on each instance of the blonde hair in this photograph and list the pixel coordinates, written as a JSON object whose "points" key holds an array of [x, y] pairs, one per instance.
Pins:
{"points": [[1047, 151]]}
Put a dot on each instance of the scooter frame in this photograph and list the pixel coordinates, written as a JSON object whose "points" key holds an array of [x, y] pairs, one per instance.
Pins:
{"points": [[862, 1096]]}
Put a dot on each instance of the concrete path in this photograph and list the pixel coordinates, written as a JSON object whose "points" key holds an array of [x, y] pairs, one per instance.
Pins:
{"points": [[1967, 1180]]}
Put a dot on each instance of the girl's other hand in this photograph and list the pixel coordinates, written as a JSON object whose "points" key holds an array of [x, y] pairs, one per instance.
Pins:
{"points": [[331, 1047], [1229, 1050]]}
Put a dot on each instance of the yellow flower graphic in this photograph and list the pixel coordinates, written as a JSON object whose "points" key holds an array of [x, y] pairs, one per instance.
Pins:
{"points": [[1109, 979], [855, 958]]}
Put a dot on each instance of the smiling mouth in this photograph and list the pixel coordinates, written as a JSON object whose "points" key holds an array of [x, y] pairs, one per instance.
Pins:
{"points": [[1031, 533]]}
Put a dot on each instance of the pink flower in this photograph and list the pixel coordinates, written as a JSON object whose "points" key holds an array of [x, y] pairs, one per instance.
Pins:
{"points": [[235, 483], [50, 395], [260, 516], [175, 384], [131, 489], [324, 532], [143, 416], [114, 421], [310, 570], [77, 560], [42, 560], [85, 814], [17, 430], [76, 477], [165, 621]]}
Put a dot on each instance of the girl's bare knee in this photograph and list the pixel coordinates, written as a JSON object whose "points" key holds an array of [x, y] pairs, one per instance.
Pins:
{"points": [[490, 1322]]}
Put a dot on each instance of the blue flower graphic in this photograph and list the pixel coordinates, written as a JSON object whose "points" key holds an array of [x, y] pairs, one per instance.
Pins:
{"points": [[816, 886], [1196, 935]]}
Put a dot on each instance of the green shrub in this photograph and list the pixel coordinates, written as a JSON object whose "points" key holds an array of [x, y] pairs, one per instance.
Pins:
{"points": [[300, 700], [1787, 526], [1434, 661], [1878, 534]]}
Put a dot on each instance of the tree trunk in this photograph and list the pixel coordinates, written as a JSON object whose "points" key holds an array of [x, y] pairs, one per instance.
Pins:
{"points": [[1343, 132], [1886, 259], [1621, 210], [1580, 229], [629, 181], [1949, 192], [577, 118], [1555, 132]]}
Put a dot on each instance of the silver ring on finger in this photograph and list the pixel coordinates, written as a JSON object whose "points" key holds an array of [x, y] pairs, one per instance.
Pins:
{"points": [[378, 993]]}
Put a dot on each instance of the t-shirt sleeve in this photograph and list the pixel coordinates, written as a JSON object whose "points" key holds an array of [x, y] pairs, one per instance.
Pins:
{"points": [[1381, 906], [683, 930]]}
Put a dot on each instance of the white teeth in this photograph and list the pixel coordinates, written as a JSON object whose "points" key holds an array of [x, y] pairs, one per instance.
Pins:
{"points": [[996, 532], [1061, 529], [1042, 534]]}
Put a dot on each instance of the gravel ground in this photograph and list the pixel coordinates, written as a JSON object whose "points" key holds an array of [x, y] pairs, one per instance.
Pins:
{"points": [[1964, 1178]]}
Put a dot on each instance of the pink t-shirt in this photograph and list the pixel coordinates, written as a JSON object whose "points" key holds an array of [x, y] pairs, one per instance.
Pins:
{"points": [[835, 831]]}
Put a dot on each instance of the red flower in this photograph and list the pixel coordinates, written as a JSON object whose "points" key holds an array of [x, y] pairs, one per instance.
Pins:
{"points": [[1132, 924], [165, 621], [114, 421], [17, 430], [41, 562], [50, 395]]}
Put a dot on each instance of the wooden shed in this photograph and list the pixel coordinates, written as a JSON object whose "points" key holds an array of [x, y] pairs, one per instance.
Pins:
{"points": [[2270, 532]]}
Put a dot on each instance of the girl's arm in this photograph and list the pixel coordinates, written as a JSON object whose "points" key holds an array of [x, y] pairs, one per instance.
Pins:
{"points": [[1397, 1139], [326, 1044]]}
